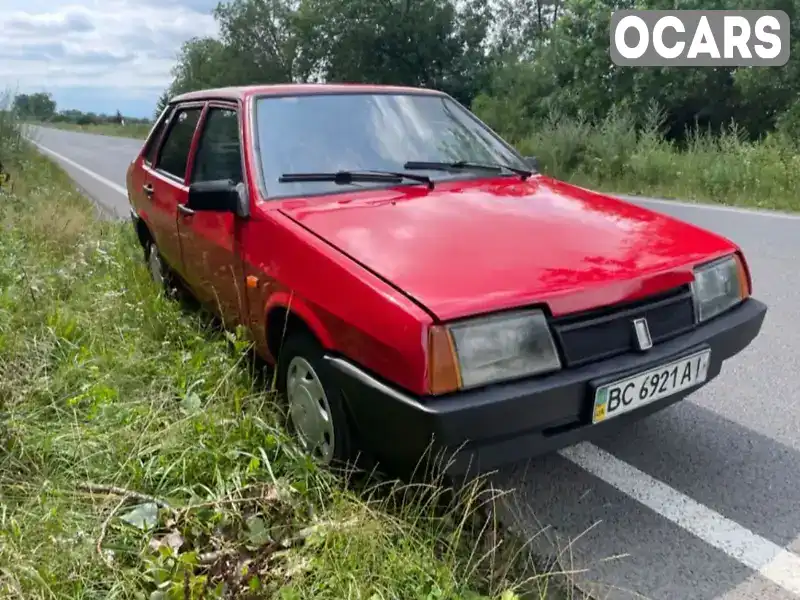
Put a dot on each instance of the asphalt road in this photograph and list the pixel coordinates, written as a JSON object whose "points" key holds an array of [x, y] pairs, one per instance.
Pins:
{"points": [[700, 501]]}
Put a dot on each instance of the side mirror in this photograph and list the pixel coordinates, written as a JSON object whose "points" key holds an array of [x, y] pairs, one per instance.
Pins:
{"points": [[221, 195], [532, 163]]}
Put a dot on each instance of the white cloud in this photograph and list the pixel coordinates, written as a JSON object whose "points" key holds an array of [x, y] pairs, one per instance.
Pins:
{"points": [[120, 48]]}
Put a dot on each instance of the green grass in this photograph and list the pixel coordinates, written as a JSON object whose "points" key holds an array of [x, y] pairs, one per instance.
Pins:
{"points": [[113, 397], [134, 130], [620, 156]]}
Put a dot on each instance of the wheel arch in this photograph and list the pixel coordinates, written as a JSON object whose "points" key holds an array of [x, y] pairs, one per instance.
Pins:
{"points": [[286, 315], [285, 318]]}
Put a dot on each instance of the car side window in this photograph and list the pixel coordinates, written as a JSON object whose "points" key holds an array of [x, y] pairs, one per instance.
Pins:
{"points": [[218, 153], [175, 150], [152, 145]]}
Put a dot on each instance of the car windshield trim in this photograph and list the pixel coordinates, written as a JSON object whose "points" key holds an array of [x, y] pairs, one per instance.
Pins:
{"points": [[268, 171]]}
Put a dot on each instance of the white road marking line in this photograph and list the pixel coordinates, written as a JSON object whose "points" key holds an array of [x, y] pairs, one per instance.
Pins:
{"points": [[755, 212], [117, 188], [768, 559]]}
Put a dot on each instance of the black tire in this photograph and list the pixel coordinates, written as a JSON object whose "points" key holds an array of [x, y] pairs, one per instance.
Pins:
{"points": [[303, 346]]}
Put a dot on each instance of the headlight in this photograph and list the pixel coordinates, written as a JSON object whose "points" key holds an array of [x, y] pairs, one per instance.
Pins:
{"points": [[718, 286], [489, 349]]}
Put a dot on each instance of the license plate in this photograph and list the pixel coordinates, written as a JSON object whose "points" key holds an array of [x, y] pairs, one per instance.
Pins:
{"points": [[638, 390]]}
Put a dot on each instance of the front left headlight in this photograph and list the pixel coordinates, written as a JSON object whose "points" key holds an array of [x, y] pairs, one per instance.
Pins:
{"points": [[503, 347], [719, 286]]}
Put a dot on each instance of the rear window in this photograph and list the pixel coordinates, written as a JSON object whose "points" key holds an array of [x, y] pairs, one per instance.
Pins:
{"points": [[152, 144], [175, 151]]}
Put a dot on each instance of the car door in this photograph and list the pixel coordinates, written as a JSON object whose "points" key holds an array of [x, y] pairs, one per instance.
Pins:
{"points": [[210, 239], [138, 177], [165, 181]]}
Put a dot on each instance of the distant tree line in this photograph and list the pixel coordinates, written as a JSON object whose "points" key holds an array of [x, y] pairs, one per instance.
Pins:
{"points": [[516, 62], [41, 107]]}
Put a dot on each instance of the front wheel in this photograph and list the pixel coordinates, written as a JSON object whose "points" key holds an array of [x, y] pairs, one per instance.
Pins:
{"points": [[315, 406]]}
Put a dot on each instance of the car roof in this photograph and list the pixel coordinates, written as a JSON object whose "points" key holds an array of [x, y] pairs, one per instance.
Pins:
{"points": [[290, 89]]}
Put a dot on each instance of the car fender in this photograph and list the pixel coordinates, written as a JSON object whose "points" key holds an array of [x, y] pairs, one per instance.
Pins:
{"points": [[293, 303]]}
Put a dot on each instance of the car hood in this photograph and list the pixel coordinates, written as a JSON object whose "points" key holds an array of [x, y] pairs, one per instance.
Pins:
{"points": [[474, 247]]}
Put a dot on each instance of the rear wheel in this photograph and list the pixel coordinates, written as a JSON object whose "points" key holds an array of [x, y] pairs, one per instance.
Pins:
{"points": [[315, 405], [155, 265]]}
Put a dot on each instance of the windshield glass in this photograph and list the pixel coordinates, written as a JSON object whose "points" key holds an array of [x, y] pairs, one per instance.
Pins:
{"points": [[364, 131]]}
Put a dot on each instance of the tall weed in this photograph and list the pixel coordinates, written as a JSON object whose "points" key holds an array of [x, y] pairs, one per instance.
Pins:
{"points": [[10, 134], [619, 154]]}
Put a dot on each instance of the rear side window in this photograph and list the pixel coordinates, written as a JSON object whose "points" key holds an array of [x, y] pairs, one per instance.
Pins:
{"points": [[175, 150], [152, 144], [218, 153]]}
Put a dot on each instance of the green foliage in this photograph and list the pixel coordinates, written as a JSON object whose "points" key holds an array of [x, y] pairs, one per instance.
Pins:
{"points": [[620, 155], [35, 106], [10, 137], [42, 108], [433, 43]]}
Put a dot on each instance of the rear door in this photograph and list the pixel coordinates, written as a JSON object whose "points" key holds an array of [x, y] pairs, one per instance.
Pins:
{"points": [[210, 240], [138, 175], [165, 183]]}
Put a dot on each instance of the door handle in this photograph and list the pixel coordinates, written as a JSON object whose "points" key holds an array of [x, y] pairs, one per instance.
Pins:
{"points": [[148, 189], [185, 209]]}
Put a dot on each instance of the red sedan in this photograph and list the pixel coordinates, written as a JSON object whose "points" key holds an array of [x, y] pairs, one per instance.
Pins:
{"points": [[418, 284]]}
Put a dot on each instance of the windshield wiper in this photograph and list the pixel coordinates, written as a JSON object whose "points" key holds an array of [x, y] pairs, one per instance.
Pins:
{"points": [[415, 165], [348, 177]]}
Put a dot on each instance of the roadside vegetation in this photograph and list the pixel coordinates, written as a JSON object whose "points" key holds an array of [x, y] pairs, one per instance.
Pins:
{"points": [[129, 130], [142, 454], [40, 108], [619, 155]]}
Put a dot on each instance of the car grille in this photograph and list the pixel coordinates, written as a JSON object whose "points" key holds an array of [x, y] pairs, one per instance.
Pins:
{"points": [[608, 332]]}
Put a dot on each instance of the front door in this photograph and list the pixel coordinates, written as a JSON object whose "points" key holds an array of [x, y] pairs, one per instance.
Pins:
{"points": [[209, 239], [165, 182]]}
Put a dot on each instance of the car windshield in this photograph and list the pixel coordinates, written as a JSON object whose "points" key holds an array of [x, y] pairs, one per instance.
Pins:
{"points": [[369, 131]]}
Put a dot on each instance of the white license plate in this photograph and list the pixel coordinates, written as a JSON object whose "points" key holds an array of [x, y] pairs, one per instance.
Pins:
{"points": [[625, 395]]}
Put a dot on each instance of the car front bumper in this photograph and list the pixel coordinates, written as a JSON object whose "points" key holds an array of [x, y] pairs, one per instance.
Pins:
{"points": [[478, 430]]}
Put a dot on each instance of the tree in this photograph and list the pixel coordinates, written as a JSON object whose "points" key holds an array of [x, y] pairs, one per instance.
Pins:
{"points": [[260, 41], [429, 43], [161, 104], [37, 106]]}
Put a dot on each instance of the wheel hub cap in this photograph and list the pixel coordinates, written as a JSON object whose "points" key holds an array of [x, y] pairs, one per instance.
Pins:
{"points": [[309, 410]]}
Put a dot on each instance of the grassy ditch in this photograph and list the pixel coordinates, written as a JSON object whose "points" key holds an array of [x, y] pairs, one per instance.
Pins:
{"points": [[143, 456]]}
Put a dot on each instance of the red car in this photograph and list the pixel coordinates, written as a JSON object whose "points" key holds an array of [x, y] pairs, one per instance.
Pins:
{"points": [[418, 284]]}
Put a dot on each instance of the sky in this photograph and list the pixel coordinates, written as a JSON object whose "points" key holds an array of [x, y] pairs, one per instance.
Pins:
{"points": [[97, 55]]}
